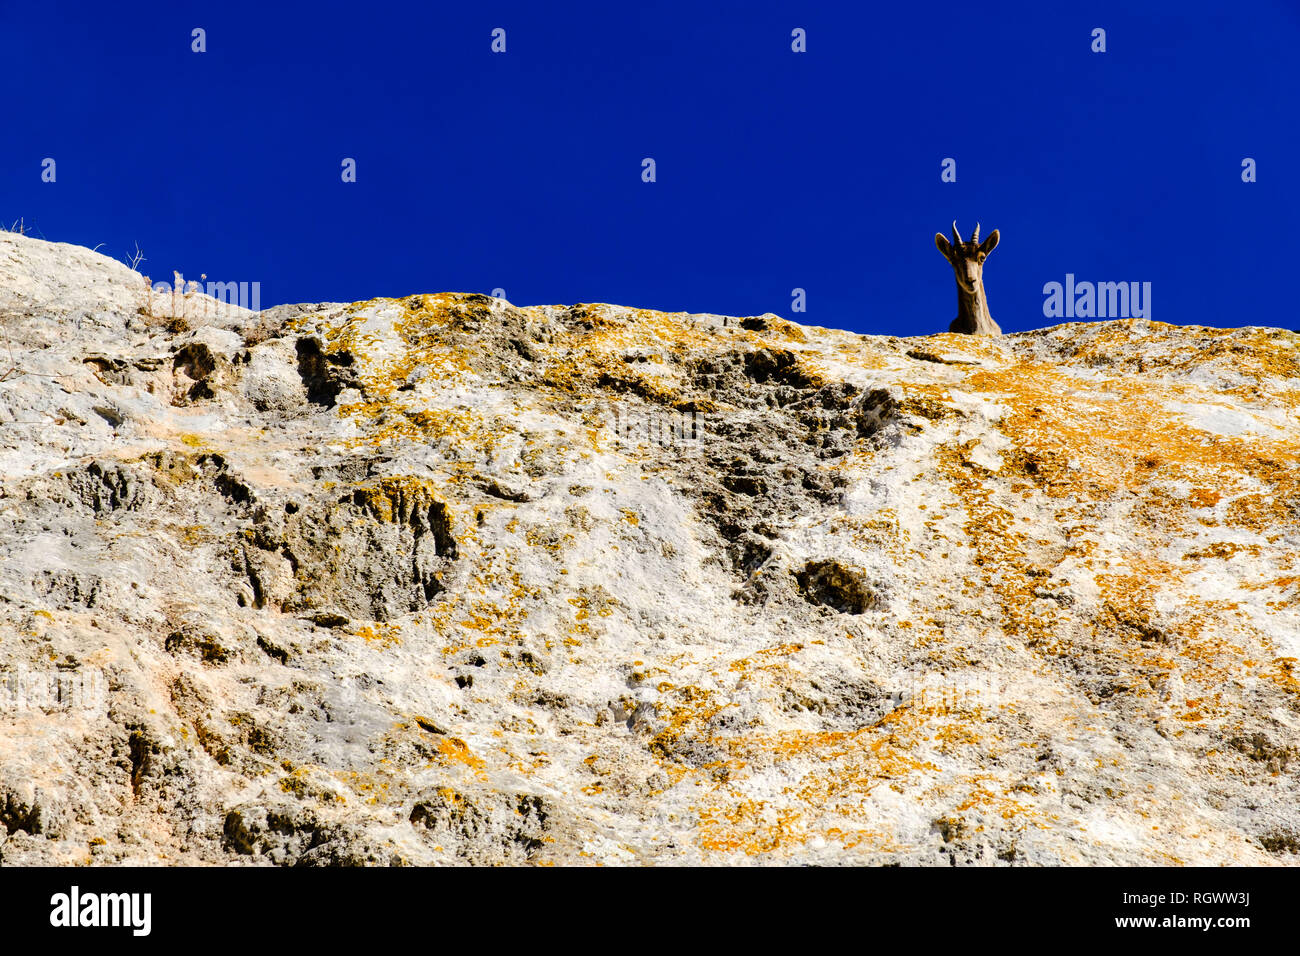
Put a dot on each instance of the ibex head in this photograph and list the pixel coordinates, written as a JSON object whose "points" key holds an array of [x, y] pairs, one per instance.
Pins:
{"points": [[967, 258], [967, 261]]}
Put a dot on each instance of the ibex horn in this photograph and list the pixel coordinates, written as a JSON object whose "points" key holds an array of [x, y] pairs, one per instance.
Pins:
{"points": [[955, 234], [975, 236]]}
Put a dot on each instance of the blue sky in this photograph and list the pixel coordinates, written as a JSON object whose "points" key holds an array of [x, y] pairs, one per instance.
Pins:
{"points": [[775, 169]]}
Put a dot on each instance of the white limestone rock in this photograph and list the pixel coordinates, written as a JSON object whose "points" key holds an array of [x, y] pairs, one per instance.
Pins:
{"points": [[444, 580]]}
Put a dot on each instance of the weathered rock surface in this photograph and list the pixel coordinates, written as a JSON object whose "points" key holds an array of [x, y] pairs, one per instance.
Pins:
{"points": [[439, 580]]}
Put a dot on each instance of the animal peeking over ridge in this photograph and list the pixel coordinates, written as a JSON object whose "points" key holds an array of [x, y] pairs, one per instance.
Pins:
{"points": [[967, 261]]}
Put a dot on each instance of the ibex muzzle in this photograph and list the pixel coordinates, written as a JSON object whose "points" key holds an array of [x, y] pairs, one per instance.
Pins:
{"points": [[967, 261]]}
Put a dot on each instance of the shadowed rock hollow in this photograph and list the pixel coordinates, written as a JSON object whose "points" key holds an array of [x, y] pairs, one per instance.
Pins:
{"points": [[439, 579]]}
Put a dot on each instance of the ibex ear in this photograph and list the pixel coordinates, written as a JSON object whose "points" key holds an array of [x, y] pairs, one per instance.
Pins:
{"points": [[943, 245], [990, 242]]}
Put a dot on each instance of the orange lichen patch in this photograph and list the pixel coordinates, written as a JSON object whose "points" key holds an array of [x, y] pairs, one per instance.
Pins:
{"points": [[1199, 644], [385, 635], [595, 357], [1097, 343], [1152, 347], [1285, 672], [1257, 353], [1121, 436], [453, 750], [925, 400], [422, 323], [1259, 512], [787, 330], [1286, 582], [385, 341], [866, 839], [457, 803], [490, 606], [688, 715], [880, 531], [967, 346], [545, 537], [592, 358], [844, 768], [529, 764], [303, 782], [749, 826], [1077, 444], [577, 373], [1193, 711], [859, 353], [371, 788], [769, 658], [586, 601], [396, 498], [482, 622], [1002, 551], [1222, 550], [618, 329], [986, 794], [812, 372], [399, 421], [1127, 600], [954, 733]]}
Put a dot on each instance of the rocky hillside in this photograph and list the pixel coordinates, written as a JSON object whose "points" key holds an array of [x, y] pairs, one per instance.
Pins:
{"points": [[439, 579]]}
